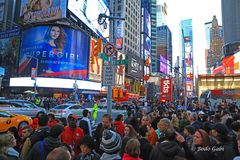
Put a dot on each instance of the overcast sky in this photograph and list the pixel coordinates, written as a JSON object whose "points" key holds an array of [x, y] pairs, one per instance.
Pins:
{"points": [[201, 11]]}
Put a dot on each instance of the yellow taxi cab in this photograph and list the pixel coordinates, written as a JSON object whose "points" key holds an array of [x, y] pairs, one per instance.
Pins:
{"points": [[8, 120]]}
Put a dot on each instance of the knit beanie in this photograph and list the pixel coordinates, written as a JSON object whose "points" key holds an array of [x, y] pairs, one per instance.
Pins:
{"points": [[111, 142]]}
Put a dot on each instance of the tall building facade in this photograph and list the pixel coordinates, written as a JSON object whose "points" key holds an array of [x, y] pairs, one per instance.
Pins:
{"points": [[231, 20], [187, 56], [161, 12], [214, 37], [129, 29], [164, 50]]}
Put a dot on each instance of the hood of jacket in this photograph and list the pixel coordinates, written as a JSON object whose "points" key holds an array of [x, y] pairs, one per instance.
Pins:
{"points": [[118, 123], [51, 143], [12, 152], [169, 148]]}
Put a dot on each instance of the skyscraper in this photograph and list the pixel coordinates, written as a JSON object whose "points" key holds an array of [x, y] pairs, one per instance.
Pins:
{"points": [[129, 29], [164, 50], [161, 12], [231, 20], [214, 36]]}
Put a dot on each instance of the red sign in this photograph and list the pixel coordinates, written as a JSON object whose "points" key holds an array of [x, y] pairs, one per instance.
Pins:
{"points": [[33, 74], [119, 43], [166, 89], [109, 49]]}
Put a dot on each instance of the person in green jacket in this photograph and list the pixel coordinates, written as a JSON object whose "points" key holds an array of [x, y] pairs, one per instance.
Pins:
{"points": [[95, 110]]}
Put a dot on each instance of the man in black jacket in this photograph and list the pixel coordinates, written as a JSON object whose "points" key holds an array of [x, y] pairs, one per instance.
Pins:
{"points": [[41, 149]]}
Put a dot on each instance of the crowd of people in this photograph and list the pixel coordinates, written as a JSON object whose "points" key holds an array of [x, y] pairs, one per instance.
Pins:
{"points": [[167, 132]]}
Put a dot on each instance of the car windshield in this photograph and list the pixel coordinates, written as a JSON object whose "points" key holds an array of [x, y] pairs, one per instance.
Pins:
{"points": [[61, 106]]}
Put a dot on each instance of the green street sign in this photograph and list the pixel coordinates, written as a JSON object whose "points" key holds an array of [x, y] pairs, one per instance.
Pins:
{"points": [[122, 62], [103, 56]]}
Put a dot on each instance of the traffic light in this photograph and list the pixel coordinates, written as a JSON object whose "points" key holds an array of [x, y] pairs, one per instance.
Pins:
{"points": [[115, 93], [120, 93]]}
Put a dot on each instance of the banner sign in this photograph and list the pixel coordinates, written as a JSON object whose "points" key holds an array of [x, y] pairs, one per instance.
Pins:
{"points": [[166, 89]]}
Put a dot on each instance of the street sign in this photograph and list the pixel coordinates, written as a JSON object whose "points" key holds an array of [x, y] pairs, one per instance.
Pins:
{"points": [[122, 62], [109, 49], [108, 78], [103, 56]]}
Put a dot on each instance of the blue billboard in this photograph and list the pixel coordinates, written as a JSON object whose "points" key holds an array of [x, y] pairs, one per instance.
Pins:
{"points": [[42, 10], [147, 22], [58, 51]]}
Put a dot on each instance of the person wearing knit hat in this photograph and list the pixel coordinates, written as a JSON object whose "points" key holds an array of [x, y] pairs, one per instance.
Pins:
{"points": [[111, 144], [220, 133]]}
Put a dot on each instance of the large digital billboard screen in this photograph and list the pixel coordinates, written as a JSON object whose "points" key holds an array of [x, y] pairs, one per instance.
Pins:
{"points": [[163, 65], [9, 51], [147, 22], [88, 12], [60, 52], [95, 63], [42, 10]]}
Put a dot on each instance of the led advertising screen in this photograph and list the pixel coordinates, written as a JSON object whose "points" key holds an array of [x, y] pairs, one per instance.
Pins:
{"points": [[9, 51], [42, 10], [95, 63], [163, 65], [120, 73], [88, 11], [147, 23], [59, 52]]}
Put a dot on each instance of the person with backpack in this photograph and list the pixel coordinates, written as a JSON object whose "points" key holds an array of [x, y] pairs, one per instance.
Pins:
{"points": [[41, 133], [41, 149]]}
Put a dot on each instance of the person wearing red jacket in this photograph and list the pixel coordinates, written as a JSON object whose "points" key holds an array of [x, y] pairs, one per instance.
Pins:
{"points": [[72, 134], [119, 125], [52, 121]]}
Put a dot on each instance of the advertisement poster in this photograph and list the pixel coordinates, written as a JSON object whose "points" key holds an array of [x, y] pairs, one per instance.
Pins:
{"points": [[95, 63], [120, 73], [59, 52], [9, 51], [166, 89], [88, 11], [42, 10], [135, 66]]}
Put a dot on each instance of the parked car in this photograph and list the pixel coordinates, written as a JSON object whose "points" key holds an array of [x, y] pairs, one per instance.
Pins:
{"points": [[21, 107], [64, 110], [8, 120]]}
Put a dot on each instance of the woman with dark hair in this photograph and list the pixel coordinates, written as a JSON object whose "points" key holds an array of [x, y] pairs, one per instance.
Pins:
{"points": [[129, 131], [56, 37]]}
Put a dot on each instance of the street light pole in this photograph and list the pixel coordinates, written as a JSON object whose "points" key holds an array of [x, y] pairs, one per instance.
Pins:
{"points": [[35, 79]]}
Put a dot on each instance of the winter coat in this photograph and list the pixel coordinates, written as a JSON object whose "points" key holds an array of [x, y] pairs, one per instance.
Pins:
{"points": [[145, 148], [49, 144], [12, 154], [224, 151], [119, 127], [106, 156], [128, 157], [91, 156], [153, 137], [166, 150]]}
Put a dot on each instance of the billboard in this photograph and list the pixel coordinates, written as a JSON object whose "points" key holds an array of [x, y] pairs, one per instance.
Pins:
{"points": [[42, 10], [120, 73], [163, 65], [147, 22], [88, 12], [2, 7], [9, 51], [166, 89], [135, 66], [59, 52], [95, 63]]}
